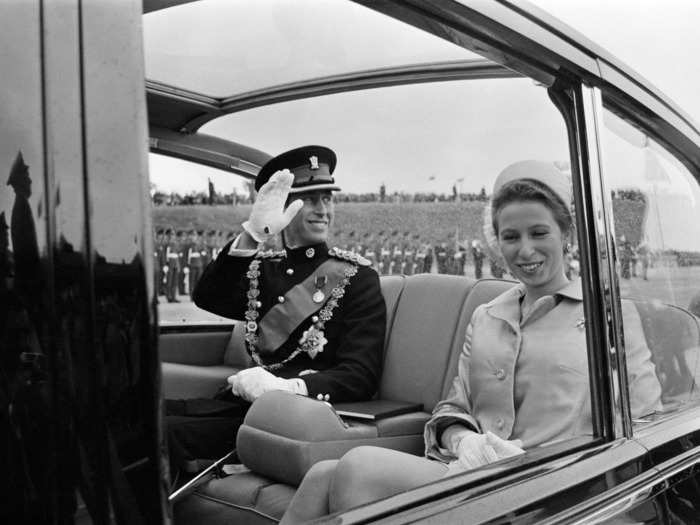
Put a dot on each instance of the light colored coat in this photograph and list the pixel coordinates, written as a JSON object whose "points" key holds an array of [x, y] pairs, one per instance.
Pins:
{"points": [[528, 379]]}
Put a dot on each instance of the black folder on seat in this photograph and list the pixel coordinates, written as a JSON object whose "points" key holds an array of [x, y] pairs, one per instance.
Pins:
{"points": [[376, 409]]}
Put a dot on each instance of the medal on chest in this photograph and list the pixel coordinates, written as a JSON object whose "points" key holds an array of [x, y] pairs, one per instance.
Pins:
{"points": [[319, 283]]}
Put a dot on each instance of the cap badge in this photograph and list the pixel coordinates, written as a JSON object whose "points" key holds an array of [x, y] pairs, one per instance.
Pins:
{"points": [[313, 161]]}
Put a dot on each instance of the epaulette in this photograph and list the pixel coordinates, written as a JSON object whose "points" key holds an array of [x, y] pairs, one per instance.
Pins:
{"points": [[270, 254], [349, 256]]}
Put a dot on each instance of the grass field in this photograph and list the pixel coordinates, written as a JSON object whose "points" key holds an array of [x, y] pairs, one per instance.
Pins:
{"points": [[431, 221]]}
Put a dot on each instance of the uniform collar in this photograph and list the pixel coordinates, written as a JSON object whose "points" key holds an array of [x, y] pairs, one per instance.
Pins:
{"points": [[307, 253]]}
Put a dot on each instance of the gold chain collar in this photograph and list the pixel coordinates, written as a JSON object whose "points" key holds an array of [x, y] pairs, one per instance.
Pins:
{"points": [[312, 340]]}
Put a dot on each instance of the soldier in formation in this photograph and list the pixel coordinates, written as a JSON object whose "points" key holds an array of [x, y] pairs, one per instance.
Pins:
{"points": [[180, 259]]}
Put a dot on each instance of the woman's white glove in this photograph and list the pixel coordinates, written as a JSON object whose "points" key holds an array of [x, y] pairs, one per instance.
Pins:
{"points": [[474, 450], [268, 216]]}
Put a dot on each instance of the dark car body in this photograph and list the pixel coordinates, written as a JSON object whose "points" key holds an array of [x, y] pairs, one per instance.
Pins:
{"points": [[81, 401]]}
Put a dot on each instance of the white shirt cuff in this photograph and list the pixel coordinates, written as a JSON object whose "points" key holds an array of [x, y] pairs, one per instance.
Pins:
{"points": [[235, 252], [299, 386]]}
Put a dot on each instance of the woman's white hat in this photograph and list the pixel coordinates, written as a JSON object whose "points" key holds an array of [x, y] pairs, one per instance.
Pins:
{"points": [[545, 172]]}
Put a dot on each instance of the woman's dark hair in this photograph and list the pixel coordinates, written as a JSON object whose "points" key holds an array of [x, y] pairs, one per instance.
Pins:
{"points": [[531, 190]]}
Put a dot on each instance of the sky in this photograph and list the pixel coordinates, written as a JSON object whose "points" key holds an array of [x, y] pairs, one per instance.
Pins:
{"points": [[416, 138]]}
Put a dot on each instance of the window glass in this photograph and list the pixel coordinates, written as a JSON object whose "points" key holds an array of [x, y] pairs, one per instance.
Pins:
{"points": [[410, 204], [28, 382], [190, 45], [656, 209], [195, 213]]}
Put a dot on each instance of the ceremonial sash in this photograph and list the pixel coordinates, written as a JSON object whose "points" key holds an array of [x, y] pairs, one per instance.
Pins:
{"points": [[283, 318]]}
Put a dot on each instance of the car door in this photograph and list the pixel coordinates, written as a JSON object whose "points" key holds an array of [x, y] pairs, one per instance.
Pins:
{"points": [[643, 470], [80, 376]]}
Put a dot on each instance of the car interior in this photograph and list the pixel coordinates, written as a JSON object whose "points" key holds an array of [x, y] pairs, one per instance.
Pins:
{"points": [[284, 435]]}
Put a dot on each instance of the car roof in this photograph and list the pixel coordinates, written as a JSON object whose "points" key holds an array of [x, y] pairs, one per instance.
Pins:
{"points": [[499, 27]]}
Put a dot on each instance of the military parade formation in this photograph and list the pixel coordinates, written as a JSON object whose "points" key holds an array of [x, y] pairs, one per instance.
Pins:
{"points": [[180, 256]]}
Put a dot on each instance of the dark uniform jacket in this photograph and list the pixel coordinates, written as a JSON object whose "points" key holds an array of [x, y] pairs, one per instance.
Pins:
{"points": [[349, 367]]}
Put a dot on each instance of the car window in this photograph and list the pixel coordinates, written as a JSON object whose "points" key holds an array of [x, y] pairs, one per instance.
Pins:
{"points": [[656, 209], [196, 210], [416, 164], [200, 58]]}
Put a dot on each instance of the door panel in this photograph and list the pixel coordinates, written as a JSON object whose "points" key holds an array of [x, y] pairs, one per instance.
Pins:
{"points": [[26, 395]]}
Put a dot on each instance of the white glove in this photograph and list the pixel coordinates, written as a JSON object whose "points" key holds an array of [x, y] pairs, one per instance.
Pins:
{"points": [[251, 383], [268, 216], [475, 450]]}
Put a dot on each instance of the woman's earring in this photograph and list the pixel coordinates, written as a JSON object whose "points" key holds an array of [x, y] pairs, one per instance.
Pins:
{"points": [[567, 247]]}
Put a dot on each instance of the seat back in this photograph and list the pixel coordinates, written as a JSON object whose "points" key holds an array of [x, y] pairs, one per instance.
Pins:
{"points": [[482, 292], [427, 327], [236, 353], [673, 337], [427, 317]]}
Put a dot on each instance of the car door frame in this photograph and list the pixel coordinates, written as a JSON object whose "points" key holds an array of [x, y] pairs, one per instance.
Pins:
{"points": [[621, 470]]}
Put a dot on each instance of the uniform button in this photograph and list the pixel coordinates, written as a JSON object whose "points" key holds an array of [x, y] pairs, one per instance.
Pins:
{"points": [[501, 374], [290, 271], [319, 397], [326, 397], [500, 423], [280, 299]]}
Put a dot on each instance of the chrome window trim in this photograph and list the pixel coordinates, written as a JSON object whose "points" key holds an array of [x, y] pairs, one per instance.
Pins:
{"points": [[315, 87], [600, 240], [631, 493]]}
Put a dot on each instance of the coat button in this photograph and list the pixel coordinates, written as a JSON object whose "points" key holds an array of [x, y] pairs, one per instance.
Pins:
{"points": [[500, 374], [500, 423], [319, 397], [290, 271], [326, 397], [280, 299]]}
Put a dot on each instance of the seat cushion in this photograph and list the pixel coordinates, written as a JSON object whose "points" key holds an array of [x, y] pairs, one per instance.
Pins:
{"points": [[240, 498], [283, 435]]}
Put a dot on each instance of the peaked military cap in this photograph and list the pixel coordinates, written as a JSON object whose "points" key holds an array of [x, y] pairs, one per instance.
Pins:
{"points": [[19, 172], [312, 167]]}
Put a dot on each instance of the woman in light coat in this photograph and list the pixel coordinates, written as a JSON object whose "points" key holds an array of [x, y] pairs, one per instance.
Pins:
{"points": [[522, 380]]}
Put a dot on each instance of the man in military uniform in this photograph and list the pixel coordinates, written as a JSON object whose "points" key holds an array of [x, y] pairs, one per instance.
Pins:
{"points": [[460, 259], [193, 255], [478, 258], [158, 264], [172, 267], [314, 317], [441, 256]]}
